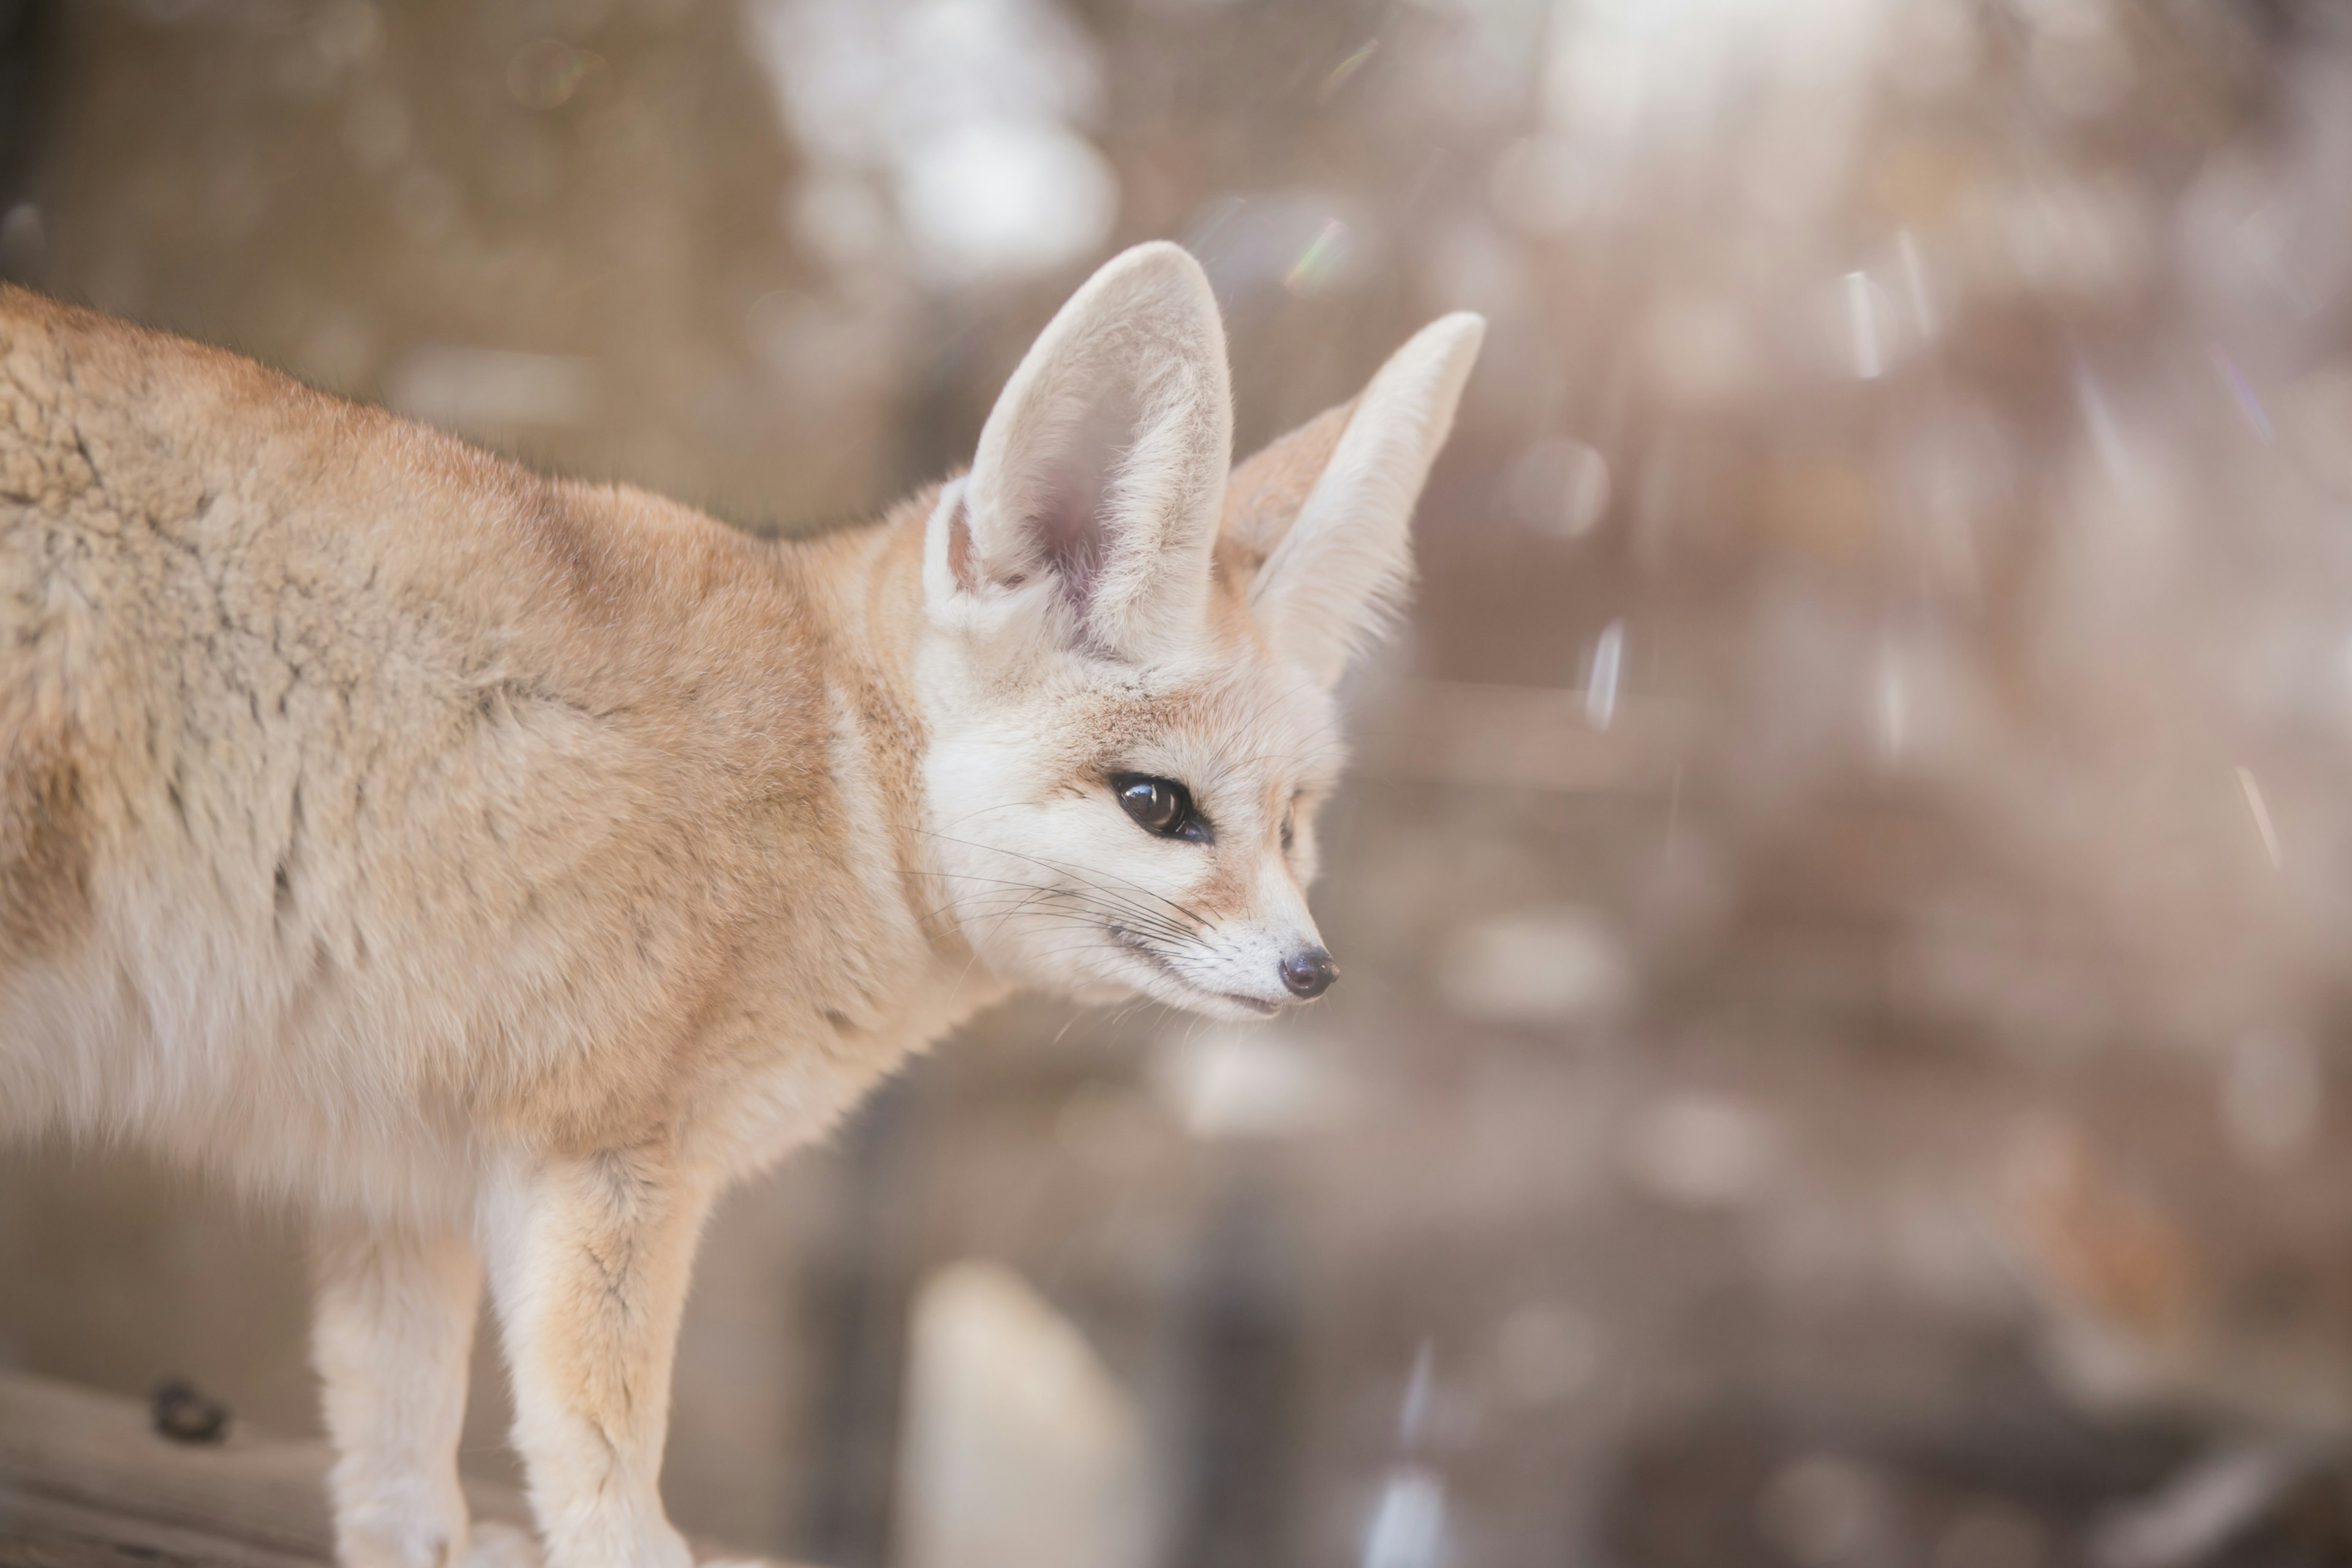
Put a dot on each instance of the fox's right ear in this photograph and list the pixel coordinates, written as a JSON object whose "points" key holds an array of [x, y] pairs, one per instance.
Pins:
{"points": [[1092, 504], [1315, 525]]}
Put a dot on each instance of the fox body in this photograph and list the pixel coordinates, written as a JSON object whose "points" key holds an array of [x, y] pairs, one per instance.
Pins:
{"points": [[496, 866]]}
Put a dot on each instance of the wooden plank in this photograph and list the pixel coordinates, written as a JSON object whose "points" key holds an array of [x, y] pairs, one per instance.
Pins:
{"points": [[48, 1532], [101, 1452], [86, 1482]]}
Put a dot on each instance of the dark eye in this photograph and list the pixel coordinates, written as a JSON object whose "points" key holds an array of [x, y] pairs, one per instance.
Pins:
{"points": [[1290, 833], [1161, 805]]}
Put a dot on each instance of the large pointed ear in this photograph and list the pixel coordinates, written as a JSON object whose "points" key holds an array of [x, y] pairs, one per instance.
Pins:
{"points": [[1094, 497], [1316, 524]]}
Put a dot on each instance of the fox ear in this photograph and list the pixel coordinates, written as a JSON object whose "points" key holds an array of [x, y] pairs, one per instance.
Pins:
{"points": [[1093, 496], [1316, 524]]}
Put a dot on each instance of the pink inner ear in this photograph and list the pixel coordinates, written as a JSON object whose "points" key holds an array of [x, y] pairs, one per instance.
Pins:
{"points": [[1068, 526], [1063, 531], [959, 545]]}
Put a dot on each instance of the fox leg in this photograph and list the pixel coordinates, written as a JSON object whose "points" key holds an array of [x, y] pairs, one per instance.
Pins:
{"points": [[589, 1259], [393, 1334]]}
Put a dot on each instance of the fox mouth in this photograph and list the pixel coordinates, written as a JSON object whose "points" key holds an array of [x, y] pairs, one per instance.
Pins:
{"points": [[1160, 966], [1257, 1005]]}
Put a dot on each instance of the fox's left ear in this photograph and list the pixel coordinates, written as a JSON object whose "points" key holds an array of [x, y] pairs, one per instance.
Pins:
{"points": [[1316, 524]]}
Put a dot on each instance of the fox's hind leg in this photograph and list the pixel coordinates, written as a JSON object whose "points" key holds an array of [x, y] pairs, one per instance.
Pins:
{"points": [[589, 1258], [393, 1334]]}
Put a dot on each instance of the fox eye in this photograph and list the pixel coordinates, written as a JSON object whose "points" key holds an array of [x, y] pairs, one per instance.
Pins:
{"points": [[1161, 805], [1290, 833]]}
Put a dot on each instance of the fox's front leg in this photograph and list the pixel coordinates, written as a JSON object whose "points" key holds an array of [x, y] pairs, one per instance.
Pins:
{"points": [[391, 1333], [589, 1259]]}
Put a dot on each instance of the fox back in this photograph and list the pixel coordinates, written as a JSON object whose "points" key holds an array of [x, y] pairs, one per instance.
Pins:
{"points": [[368, 801]]}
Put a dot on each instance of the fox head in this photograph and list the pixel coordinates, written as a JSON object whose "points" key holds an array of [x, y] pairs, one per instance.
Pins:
{"points": [[1128, 654]]}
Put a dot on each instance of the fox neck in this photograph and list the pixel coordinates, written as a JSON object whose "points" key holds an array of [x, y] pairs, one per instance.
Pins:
{"points": [[866, 587]]}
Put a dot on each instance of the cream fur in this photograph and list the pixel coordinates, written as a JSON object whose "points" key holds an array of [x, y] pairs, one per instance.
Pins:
{"points": [[496, 867]]}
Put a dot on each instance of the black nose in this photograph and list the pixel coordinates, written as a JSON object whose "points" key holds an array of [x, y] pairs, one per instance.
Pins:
{"points": [[1310, 973]]}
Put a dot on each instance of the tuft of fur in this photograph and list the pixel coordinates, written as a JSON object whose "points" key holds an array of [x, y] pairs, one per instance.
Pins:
{"points": [[496, 866]]}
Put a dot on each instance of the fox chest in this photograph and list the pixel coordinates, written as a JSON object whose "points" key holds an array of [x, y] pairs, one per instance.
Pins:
{"points": [[781, 1092]]}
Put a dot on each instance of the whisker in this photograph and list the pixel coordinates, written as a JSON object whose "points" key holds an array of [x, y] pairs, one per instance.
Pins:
{"points": [[1082, 873], [1030, 898], [1110, 893]]}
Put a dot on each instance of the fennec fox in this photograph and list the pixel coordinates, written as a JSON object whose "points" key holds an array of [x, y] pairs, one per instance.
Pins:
{"points": [[496, 867]]}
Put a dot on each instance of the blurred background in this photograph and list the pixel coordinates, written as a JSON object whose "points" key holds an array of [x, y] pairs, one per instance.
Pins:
{"points": [[1846, 892]]}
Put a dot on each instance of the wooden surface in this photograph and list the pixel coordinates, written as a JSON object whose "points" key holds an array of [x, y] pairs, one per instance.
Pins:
{"points": [[85, 1482]]}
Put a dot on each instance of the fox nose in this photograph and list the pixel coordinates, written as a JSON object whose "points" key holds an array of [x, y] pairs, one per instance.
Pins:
{"points": [[1309, 973]]}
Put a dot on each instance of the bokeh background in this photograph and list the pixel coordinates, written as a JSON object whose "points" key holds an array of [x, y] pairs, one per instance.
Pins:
{"points": [[1844, 892]]}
